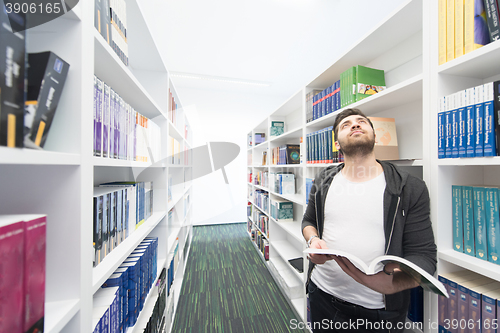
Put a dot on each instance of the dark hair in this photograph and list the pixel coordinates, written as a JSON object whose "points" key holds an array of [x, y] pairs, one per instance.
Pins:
{"points": [[344, 114]]}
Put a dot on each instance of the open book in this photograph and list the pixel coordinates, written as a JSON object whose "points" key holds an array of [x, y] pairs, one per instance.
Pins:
{"points": [[426, 281]]}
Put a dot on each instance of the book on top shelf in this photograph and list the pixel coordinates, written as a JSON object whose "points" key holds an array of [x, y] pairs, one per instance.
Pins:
{"points": [[292, 154], [47, 74], [277, 128], [369, 81], [424, 279], [491, 8], [386, 146], [12, 78]]}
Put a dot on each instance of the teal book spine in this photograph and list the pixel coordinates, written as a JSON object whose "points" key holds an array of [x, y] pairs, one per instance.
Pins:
{"points": [[480, 223], [468, 222], [458, 230], [493, 224]]}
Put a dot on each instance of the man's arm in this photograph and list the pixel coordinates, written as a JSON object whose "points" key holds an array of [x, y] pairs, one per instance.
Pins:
{"points": [[316, 243]]}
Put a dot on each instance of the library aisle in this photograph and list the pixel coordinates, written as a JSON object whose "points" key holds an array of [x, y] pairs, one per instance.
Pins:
{"points": [[228, 288]]}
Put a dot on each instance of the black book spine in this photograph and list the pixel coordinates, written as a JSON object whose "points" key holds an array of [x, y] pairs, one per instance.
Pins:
{"points": [[491, 7], [496, 112]]}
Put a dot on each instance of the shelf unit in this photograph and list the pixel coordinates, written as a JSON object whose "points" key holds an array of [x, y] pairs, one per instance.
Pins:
{"points": [[399, 45], [59, 180]]}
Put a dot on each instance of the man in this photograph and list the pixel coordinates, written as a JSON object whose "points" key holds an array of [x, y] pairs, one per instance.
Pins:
{"points": [[368, 208]]}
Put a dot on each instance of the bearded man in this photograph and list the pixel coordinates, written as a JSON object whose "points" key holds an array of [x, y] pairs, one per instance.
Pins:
{"points": [[368, 208]]}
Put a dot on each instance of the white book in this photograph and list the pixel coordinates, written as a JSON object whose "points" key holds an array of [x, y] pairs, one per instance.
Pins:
{"points": [[424, 279]]}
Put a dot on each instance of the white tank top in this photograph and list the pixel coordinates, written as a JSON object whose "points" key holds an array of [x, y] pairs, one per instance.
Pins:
{"points": [[354, 223]]}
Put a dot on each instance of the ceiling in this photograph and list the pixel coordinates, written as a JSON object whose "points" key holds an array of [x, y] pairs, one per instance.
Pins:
{"points": [[268, 49]]}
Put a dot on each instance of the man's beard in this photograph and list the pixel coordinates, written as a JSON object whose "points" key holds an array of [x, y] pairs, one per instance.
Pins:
{"points": [[358, 147]]}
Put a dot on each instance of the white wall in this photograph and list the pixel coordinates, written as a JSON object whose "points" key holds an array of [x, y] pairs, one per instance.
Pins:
{"points": [[227, 119], [286, 43]]}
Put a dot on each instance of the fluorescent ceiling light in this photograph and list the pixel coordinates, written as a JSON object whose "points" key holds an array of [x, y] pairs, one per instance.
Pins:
{"points": [[219, 79]]}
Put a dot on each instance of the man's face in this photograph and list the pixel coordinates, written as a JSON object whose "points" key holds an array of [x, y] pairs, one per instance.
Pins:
{"points": [[355, 136]]}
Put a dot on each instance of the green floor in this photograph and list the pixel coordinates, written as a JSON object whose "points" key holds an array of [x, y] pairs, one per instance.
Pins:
{"points": [[228, 288]]}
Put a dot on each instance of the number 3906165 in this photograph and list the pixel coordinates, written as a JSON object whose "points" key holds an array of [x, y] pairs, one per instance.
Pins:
{"points": [[471, 324], [33, 8]]}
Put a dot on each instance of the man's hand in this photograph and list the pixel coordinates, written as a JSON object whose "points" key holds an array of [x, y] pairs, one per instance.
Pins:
{"points": [[380, 282], [319, 259]]}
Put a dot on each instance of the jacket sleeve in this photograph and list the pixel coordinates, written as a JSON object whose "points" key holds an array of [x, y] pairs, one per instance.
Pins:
{"points": [[418, 238]]}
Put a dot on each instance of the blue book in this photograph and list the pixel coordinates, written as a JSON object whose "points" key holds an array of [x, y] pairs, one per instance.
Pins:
{"points": [[124, 295], [441, 138], [454, 125], [489, 148], [480, 222], [479, 104], [468, 220], [315, 106], [458, 230], [448, 133], [309, 184], [133, 289], [328, 100], [115, 280], [493, 224], [442, 307], [470, 117], [462, 132]]}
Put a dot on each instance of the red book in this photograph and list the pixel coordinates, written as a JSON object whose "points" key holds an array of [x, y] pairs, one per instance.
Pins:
{"points": [[11, 273], [35, 227]]}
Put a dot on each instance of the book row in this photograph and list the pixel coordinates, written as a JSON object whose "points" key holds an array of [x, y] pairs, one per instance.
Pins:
{"points": [[174, 112], [176, 156], [110, 19], [130, 284], [121, 132], [261, 221], [156, 322], [281, 210], [468, 122], [119, 209], [321, 147], [260, 178], [259, 239], [31, 86], [284, 154], [259, 138], [261, 199], [22, 284], [464, 26], [282, 182], [472, 305], [476, 221], [355, 84]]}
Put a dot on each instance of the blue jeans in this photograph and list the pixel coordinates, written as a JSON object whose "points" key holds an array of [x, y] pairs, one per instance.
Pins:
{"points": [[328, 314]]}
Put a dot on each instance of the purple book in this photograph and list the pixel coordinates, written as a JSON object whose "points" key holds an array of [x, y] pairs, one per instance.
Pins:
{"points": [[11, 283], [98, 107], [489, 311], [112, 125], [475, 305], [442, 306], [464, 300], [106, 121], [34, 267]]}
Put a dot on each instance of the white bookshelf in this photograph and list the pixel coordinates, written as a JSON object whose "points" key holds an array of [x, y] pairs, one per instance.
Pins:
{"points": [[399, 45], [59, 180], [477, 67]]}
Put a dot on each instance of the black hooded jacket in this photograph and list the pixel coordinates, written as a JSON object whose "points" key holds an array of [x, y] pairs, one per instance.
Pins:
{"points": [[407, 225]]}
